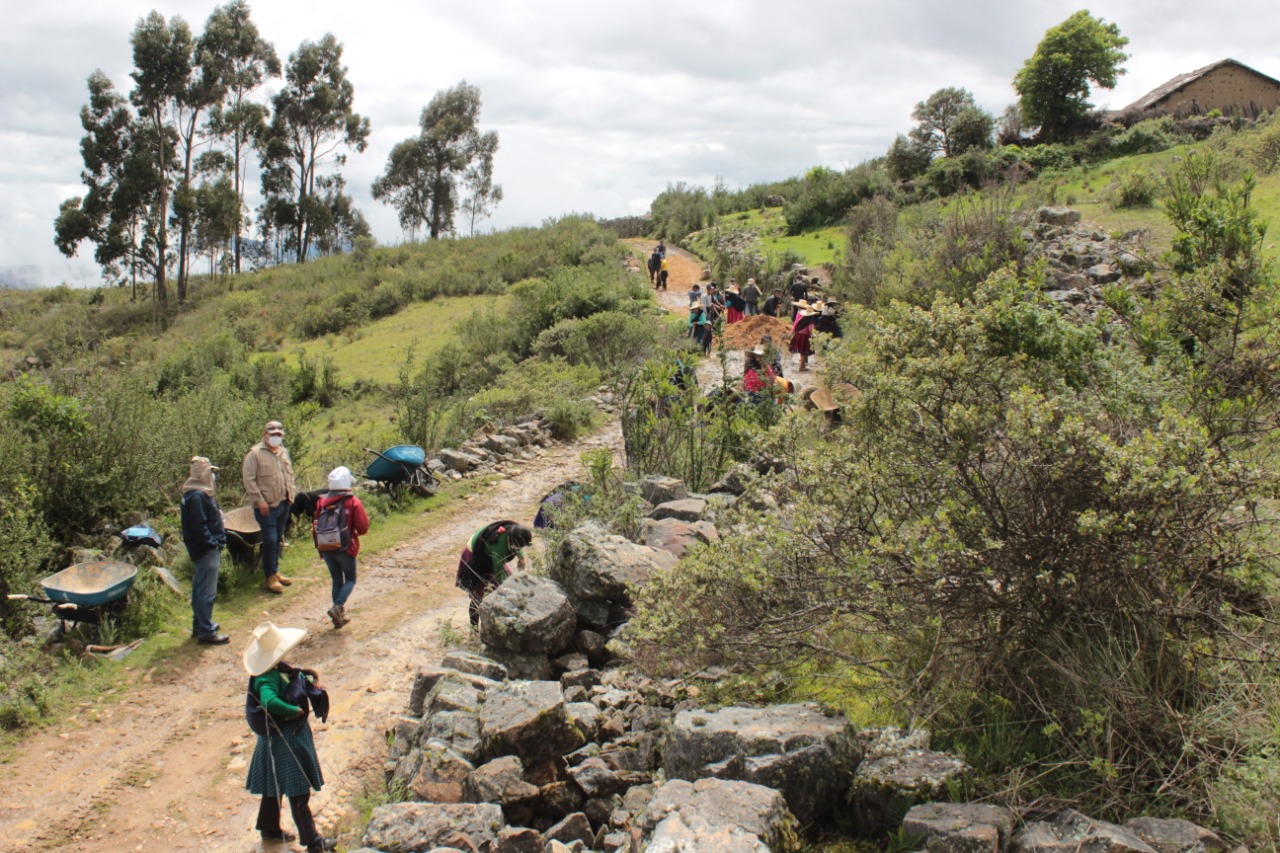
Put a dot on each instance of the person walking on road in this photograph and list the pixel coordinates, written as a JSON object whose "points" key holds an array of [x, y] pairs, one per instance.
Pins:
{"points": [[268, 482], [284, 761], [342, 561], [205, 537], [483, 564]]}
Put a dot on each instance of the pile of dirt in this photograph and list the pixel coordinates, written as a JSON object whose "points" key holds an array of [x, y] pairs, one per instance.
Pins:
{"points": [[746, 333]]}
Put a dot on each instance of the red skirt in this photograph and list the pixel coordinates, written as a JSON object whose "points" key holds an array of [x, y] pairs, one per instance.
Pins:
{"points": [[734, 315], [800, 343]]}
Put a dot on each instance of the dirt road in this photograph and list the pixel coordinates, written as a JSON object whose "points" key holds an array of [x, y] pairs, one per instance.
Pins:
{"points": [[161, 765]]}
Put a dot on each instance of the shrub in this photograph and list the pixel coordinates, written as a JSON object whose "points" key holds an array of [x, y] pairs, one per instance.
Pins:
{"points": [[1136, 189], [610, 341]]}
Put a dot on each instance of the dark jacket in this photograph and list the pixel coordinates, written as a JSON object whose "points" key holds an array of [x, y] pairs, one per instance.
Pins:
{"points": [[202, 529]]}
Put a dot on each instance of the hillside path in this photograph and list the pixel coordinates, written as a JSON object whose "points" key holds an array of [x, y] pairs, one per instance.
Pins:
{"points": [[162, 766]]}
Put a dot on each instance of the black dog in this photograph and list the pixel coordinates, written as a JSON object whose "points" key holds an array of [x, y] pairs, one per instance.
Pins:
{"points": [[304, 505]]}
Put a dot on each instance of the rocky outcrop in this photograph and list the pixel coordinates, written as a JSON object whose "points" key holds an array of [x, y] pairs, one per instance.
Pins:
{"points": [[528, 719], [796, 749], [675, 536], [718, 814], [897, 772], [603, 568], [959, 827], [1080, 258], [415, 827], [527, 615], [1073, 832], [1175, 836]]}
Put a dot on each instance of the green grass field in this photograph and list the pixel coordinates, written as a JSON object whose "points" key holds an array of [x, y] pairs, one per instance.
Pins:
{"points": [[376, 352]]}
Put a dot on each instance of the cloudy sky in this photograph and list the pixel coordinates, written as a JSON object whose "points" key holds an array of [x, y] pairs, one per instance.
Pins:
{"points": [[598, 106]]}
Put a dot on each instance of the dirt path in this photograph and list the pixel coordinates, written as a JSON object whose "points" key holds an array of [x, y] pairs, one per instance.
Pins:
{"points": [[163, 767]]}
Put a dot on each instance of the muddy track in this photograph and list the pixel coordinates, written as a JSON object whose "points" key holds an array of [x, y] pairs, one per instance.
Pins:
{"points": [[160, 765]]}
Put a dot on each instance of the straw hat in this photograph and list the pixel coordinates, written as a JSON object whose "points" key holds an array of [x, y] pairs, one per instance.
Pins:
{"points": [[821, 397], [785, 385], [269, 646]]}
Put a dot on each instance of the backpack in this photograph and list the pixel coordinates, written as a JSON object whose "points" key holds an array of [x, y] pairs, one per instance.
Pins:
{"points": [[331, 527]]}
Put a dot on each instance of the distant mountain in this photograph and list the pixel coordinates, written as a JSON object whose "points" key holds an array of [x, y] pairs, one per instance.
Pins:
{"points": [[33, 276]]}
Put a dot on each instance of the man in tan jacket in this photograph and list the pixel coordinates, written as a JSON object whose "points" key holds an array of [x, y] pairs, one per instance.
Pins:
{"points": [[268, 483]]}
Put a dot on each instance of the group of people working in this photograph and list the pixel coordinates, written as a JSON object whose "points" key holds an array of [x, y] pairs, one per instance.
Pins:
{"points": [[281, 696]]}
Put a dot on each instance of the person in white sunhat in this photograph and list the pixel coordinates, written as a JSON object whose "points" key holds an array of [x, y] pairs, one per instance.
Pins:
{"points": [[342, 561], [284, 761]]}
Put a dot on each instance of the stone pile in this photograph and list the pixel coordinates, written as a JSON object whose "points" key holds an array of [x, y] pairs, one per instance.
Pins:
{"points": [[493, 449], [547, 743], [1081, 259]]}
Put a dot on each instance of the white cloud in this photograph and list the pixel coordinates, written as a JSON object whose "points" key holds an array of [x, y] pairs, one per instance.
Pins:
{"points": [[599, 107]]}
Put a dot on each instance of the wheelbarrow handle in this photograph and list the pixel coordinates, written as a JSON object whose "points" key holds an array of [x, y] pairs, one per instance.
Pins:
{"points": [[18, 597]]}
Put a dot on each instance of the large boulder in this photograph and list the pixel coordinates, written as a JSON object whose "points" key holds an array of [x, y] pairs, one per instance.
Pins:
{"points": [[416, 827], [718, 808], [795, 749], [884, 788], [959, 827], [474, 664], [1073, 832], [599, 566], [456, 460], [528, 615], [658, 490], [1169, 835], [459, 729], [528, 719], [688, 509], [429, 677], [435, 773], [500, 781], [674, 535]]}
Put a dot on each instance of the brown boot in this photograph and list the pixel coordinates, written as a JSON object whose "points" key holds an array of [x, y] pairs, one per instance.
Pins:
{"points": [[273, 584], [284, 581]]}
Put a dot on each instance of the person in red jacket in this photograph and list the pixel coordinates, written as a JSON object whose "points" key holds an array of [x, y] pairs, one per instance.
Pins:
{"points": [[342, 564]]}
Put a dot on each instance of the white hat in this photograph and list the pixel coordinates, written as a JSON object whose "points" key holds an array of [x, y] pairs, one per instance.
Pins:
{"points": [[269, 646], [340, 479]]}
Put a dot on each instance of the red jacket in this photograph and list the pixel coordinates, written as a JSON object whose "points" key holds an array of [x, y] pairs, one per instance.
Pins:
{"points": [[356, 517]]}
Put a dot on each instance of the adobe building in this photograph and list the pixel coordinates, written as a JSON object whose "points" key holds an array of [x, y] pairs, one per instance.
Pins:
{"points": [[1228, 86]]}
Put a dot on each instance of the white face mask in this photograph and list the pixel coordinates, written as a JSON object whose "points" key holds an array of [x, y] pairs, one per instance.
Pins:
{"points": [[275, 440]]}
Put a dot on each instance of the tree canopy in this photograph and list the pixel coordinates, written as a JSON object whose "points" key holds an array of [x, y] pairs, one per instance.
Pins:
{"points": [[951, 123], [422, 174], [1054, 83]]}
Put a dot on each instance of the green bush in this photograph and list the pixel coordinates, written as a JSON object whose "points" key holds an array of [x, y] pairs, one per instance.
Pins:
{"points": [[1136, 189]]}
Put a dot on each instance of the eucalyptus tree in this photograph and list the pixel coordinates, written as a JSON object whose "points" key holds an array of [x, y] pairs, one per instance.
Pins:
{"points": [[162, 59], [312, 118], [421, 179], [232, 50], [121, 212]]}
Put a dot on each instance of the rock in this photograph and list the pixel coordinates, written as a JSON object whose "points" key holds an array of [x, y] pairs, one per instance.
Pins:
{"points": [[710, 813], [527, 615], [429, 676], [502, 444], [959, 827], [600, 566], [572, 662], [1104, 273], [592, 614], [573, 828], [404, 736], [659, 490], [884, 788], [500, 781], [582, 677], [1063, 216], [434, 773], [528, 719], [884, 742], [453, 694], [597, 779], [459, 729], [586, 716], [806, 755], [736, 480], [413, 827], [689, 509], [675, 536], [560, 799], [524, 667], [474, 664], [1175, 836], [519, 839], [456, 460], [592, 644], [1073, 832]]}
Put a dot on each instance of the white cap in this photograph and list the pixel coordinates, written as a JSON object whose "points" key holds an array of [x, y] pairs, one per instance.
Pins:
{"points": [[340, 479]]}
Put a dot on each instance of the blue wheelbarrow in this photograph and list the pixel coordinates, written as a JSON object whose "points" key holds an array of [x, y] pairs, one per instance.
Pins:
{"points": [[402, 466], [87, 593]]}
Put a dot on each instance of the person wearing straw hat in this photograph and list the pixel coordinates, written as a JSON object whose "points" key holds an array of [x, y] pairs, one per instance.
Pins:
{"points": [[205, 537], [284, 761], [342, 563], [801, 343]]}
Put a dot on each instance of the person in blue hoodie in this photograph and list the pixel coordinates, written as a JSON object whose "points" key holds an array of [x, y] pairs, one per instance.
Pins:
{"points": [[205, 537]]}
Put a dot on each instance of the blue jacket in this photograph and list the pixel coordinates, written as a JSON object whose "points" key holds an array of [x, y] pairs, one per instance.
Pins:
{"points": [[202, 529]]}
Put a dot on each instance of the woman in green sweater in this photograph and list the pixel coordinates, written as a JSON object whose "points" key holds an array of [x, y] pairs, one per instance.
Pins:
{"points": [[284, 761]]}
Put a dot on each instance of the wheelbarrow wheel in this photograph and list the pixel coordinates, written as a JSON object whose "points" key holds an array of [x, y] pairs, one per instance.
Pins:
{"points": [[421, 483]]}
